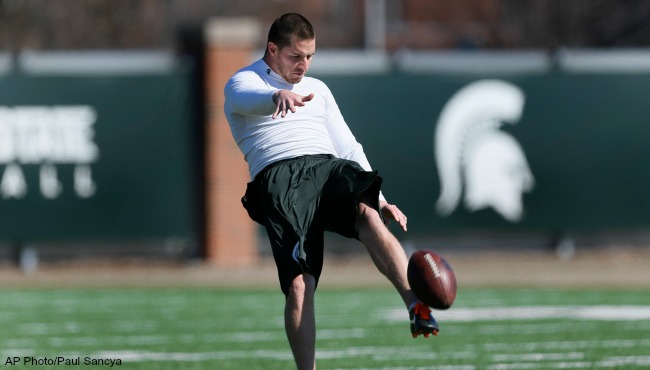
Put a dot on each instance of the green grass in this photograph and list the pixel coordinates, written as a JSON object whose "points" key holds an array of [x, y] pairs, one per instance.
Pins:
{"points": [[357, 329]]}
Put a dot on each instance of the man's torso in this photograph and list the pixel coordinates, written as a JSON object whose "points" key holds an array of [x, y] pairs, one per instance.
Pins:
{"points": [[264, 140]]}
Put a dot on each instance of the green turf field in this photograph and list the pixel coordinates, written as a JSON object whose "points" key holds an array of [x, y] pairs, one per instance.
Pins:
{"points": [[357, 329]]}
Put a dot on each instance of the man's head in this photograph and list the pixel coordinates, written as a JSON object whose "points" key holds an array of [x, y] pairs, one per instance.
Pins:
{"points": [[290, 47]]}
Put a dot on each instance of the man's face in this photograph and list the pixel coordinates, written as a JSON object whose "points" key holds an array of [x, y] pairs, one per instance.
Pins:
{"points": [[292, 62]]}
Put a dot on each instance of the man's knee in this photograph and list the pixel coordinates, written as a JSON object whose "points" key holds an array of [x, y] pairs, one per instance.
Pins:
{"points": [[366, 214], [302, 285]]}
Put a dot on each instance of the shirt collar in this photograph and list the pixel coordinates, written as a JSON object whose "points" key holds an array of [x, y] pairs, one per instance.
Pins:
{"points": [[266, 70]]}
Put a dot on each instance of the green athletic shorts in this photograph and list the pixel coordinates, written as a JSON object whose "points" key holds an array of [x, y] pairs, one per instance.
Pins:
{"points": [[298, 199]]}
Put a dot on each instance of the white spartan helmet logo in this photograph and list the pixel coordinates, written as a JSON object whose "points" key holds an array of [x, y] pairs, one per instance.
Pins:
{"points": [[470, 147]]}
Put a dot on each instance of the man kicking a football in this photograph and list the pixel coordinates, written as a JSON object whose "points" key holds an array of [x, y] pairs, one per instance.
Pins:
{"points": [[309, 175]]}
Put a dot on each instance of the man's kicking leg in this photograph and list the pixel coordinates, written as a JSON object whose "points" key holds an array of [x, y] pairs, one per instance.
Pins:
{"points": [[390, 259], [300, 322]]}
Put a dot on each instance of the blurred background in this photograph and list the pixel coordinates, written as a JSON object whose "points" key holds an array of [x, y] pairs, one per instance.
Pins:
{"points": [[413, 24], [112, 141]]}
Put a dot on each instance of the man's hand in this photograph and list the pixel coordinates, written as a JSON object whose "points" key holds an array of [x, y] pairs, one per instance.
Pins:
{"points": [[391, 212], [286, 101]]}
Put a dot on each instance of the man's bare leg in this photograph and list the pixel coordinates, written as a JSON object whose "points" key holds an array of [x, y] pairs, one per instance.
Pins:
{"points": [[385, 250], [300, 321]]}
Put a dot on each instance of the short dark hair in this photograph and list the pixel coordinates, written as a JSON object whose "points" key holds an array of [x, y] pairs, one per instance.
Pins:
{"points": [[290, 24]]}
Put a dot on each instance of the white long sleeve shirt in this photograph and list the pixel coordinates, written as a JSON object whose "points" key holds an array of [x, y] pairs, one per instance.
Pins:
{"points": [[316, 128]]}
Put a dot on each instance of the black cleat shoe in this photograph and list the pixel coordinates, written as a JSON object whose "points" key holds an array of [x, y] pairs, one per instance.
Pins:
{"points": [[422, 322]]}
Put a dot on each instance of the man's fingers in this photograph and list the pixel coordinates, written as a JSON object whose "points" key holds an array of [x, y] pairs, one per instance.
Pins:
{"points": [[301, 102], [401, 218], [280, 110], [397, 215], [287, 103], [402, 222]]}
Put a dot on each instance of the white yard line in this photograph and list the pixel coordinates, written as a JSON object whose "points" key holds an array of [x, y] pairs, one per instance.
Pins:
{"points": [[623, 361], [441, 367], [511, 357], [568, 345], [598, 313]]}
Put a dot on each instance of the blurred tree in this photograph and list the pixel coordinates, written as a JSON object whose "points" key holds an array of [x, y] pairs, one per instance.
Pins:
{"points": [[153, 24]]}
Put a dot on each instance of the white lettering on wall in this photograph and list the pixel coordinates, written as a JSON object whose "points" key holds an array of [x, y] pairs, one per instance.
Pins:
{"points": [[50, 185], [47, 136], [83, 181], [13, 183]]}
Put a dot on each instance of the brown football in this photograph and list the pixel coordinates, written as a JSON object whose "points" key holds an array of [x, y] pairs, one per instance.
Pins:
{"points": [[432, 279]]}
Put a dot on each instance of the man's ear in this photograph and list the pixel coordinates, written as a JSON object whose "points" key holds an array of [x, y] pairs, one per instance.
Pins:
{"points": [[273, 48]]}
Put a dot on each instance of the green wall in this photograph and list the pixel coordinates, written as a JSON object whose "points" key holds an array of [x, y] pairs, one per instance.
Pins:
{"points": [[585, 137], [142, 180]]}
